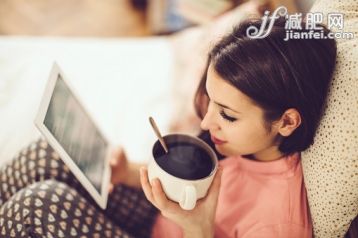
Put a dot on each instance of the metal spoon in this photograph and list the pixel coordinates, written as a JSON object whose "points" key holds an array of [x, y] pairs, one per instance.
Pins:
{"points": [[157, 132]]}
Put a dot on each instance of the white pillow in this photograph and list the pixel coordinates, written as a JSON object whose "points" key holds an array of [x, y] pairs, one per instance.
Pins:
{"points": [[330, 165]]}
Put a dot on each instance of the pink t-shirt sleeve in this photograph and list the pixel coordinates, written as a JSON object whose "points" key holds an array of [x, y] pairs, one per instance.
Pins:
{"points": [[280, 230]]}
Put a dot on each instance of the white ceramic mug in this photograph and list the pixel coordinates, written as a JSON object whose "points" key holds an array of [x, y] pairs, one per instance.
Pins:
{"points": [[185, 192]]}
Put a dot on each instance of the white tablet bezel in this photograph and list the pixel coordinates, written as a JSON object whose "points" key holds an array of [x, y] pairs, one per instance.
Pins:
{"points": [[100, 198]]}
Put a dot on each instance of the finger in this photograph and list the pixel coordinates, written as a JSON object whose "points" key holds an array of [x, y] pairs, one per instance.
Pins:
{"points": [[113, 162], [110, 188], [214, 189], [159, 195], [161, 200], [116, 156], [115, 151], [147, 188]]}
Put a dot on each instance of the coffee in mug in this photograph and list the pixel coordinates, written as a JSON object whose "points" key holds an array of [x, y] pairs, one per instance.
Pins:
{"points": [[184, 160]]}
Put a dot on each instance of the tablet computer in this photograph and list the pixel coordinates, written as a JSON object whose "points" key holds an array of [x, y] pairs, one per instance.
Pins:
{"points": [[75, 136]]}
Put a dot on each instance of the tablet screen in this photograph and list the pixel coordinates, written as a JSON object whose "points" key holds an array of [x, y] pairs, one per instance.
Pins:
{"points": [[69, 123]]}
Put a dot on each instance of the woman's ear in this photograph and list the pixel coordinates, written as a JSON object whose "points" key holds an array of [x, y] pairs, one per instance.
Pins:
{"points": [[290, 120]]}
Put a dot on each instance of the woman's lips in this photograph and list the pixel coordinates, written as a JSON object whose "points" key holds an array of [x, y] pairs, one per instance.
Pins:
{"points": [[217, 141]]}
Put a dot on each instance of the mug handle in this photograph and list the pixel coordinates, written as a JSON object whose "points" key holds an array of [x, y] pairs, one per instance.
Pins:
{"points": [[188, 197]]}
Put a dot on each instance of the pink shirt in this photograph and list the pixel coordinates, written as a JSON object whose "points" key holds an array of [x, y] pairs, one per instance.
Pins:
{"points": [[257, 199]]}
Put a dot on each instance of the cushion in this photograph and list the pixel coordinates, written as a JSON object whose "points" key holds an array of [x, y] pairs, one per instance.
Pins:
{"points": [[330, 164]]}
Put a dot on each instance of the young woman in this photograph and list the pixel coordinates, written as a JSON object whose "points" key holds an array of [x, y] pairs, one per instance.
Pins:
{"points": [[260, 100]]}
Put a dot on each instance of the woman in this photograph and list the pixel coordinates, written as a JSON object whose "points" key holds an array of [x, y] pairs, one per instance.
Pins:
{"points": [[260, 100]]}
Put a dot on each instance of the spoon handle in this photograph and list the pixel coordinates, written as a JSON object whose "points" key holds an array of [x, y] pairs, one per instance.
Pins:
{"points": [[160, 138]]}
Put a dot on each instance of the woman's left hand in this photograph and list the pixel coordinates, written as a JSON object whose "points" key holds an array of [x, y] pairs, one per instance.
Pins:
{"points": [[198, 222]]}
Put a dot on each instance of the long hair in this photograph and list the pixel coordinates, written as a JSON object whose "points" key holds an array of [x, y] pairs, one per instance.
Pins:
{"points": [[276, 75]]}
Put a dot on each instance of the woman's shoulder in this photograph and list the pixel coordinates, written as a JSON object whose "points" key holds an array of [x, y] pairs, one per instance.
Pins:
{"points": [[287, 166]]}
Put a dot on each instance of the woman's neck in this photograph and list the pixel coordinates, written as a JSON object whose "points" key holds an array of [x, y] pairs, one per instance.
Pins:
{"points": [[268, 154]]}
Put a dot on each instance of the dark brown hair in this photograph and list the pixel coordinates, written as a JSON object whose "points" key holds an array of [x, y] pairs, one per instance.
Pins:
{"points": [[276, 75]]}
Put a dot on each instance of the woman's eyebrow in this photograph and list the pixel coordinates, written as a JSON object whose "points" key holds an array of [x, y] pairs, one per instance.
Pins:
{"points": [[224, 106], [221, 105]]}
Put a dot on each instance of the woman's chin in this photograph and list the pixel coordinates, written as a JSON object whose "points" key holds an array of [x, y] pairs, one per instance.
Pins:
{"points": [[223, 151]]}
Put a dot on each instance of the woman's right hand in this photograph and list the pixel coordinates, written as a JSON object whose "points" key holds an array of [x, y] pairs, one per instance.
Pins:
{"points": [[119, 167], [123, 171]]}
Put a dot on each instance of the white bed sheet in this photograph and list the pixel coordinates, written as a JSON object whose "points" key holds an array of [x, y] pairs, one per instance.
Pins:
{"points": [[120, 81]]}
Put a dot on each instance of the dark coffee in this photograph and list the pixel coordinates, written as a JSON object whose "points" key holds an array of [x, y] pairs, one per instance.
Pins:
{"points": [[184, 160]]}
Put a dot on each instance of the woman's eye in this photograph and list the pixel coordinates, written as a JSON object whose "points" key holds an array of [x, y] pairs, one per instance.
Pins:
{"points": [[226, 117]]}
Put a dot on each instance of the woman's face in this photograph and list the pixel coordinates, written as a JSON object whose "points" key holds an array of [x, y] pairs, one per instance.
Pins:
{"points": [[235, 123]]}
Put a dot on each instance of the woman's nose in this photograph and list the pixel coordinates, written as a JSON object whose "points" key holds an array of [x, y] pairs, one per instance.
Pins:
{"points": [[208, 122]]}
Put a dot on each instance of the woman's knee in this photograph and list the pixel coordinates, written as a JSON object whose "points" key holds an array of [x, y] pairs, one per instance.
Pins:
{"points": [[39, 161], [54, 209], [35, 209]]}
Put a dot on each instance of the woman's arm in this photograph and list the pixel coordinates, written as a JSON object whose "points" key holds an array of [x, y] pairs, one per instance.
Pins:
{"points": [[196, 232]]}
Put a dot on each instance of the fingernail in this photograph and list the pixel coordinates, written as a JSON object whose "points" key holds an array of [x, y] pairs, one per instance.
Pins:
{"points": [[141, 170], [153, 182]]}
